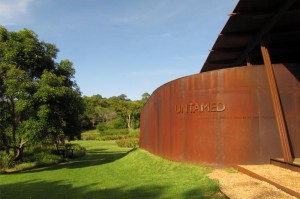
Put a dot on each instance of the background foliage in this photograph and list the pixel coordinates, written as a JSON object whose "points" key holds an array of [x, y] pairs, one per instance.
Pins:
{"points": [[117, 112]]}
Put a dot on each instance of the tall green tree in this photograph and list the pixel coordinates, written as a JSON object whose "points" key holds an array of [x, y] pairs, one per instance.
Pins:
{"points": [[39, 99]]}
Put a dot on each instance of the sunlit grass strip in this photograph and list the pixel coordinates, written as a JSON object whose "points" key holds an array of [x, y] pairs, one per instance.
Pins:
{"points": [[108, 171]]}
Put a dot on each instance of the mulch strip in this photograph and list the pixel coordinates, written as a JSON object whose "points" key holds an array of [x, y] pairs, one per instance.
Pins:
{"points": [[284, 179], [238, 185]]}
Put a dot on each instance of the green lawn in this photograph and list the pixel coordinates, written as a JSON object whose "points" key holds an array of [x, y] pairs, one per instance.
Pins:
{"points": [[111, 172]]}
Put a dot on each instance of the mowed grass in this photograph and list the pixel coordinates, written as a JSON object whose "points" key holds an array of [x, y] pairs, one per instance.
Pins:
{"points": [[111, 172]]}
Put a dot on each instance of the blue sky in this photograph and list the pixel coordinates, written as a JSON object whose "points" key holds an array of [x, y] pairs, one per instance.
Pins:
{"points": [[123, 46]]}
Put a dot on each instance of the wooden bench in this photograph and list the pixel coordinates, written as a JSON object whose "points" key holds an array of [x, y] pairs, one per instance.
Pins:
{"points": [[65, 150]]}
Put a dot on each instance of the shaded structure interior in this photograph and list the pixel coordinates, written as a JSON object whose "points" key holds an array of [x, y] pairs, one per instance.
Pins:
{"points": [[276, 22]]}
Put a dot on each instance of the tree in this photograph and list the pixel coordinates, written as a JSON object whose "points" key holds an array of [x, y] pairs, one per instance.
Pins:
{"points": [[145, 96], [39, 99], [23, 50], [121, 97], [124, 108], [117, 111], [60, 105], [16, 105]]}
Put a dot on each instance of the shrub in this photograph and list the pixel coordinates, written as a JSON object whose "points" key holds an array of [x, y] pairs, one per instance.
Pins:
{"points": [[130, 142], [37, 156], [134, 133], [90, 136], [24, 166], [79, 151], [112, 137], [111, 134], [114, 132], [6, 161], [102, 126], [48, 154], [47, 158], [118, 123], [119, 134], [31, 151]]}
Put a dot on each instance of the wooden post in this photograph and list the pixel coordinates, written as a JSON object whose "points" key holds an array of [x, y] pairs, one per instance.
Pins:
{"points": [[285, 146]]}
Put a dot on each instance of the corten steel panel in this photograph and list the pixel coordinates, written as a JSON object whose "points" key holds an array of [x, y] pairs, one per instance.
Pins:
{"points": [[290, 91], [222, 117]]}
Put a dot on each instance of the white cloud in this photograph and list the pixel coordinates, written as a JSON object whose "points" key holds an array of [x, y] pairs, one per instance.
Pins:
{"points": [[11, 11]]}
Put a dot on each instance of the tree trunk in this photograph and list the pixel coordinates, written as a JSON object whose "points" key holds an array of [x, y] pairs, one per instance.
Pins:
{"points": [[14, 123], [14, 126], [19, 149], [129, 121]]}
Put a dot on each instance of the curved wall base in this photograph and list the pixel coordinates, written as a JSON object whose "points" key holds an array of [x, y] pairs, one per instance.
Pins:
{"points": [[223, 117]]}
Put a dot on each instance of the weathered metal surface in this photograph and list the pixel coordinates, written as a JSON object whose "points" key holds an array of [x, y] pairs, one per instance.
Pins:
{"points": [[222, 117], [289, 89], [285, 145]]}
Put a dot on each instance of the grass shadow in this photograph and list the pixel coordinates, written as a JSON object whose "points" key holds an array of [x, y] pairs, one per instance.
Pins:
{"points": [[58, 189]]}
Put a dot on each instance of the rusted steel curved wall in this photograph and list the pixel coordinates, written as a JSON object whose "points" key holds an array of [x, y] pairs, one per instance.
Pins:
{"points": [[223, 117]]}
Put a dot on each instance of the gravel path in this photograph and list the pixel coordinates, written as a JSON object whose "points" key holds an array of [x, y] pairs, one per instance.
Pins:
{"points": [[237, 185], [284, 177]]}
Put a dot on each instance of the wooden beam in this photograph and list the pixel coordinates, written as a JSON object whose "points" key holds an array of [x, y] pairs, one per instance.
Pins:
{"points": [[285, 145]]}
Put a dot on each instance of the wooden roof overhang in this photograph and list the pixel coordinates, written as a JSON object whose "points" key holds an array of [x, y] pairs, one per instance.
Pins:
{"points": [[275, 22]]}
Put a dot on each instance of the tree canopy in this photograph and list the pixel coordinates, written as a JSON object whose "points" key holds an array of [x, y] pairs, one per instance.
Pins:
{"points": [[39, 98], [117, 112]]}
